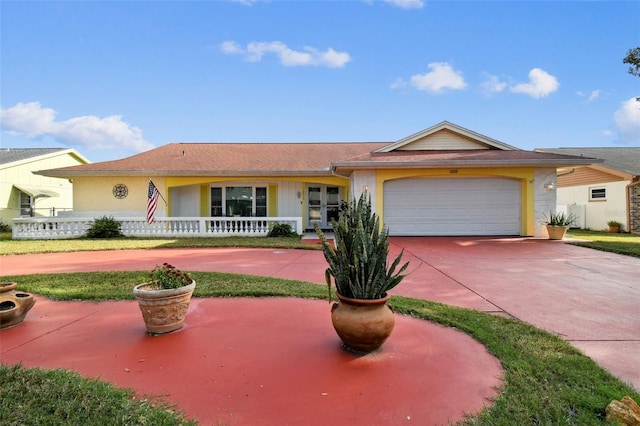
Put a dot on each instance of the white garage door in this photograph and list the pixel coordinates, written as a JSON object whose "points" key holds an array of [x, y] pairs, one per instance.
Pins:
{"points": [[488, 206]]}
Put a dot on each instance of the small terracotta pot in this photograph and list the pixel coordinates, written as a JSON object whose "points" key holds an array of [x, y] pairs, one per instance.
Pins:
{"points": [[362, 324], [163, 310], [14, 305]]}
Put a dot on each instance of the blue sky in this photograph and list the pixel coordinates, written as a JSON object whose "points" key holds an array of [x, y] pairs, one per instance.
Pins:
{"points": [[112, 79]]}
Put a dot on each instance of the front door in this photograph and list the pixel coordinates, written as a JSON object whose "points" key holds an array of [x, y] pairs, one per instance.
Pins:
{"points": [[323, 205]]}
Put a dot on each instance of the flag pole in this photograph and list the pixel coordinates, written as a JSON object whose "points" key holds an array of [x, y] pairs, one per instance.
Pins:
{"points": [[159, 193]]}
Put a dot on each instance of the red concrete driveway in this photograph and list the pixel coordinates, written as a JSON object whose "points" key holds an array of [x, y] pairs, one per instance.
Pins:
{"points": [[587, 297]]}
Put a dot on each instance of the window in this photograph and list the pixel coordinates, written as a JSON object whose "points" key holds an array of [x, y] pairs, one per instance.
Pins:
{"points": [[261, 202], [239, 200], [245, 201], [598, 194], [25, 205], [216, 201]]}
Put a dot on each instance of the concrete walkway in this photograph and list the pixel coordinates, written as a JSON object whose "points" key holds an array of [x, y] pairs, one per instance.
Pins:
{"points": [[587, 297]]}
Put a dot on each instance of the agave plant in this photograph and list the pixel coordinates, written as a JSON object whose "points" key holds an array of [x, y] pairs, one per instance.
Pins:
{"points": [[358, 260], [559, 219]]}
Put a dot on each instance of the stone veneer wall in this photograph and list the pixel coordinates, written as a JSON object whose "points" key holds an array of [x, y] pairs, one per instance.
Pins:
{"points": [[634, 208]]}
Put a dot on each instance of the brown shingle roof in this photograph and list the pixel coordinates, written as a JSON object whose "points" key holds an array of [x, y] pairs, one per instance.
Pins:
{"points": [[184, 159], [285, 159], [462, 158]]}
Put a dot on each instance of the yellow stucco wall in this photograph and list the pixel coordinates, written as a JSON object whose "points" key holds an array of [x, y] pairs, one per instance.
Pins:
{"points": [[524, 175], [96, 194]]}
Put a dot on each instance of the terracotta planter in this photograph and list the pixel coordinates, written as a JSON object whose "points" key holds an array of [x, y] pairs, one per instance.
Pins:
{"points": [[614, 229], [14, 305], [362, 324], [163, 310], [556, 232]]}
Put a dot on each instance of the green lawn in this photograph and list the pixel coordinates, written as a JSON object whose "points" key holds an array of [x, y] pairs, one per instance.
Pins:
{"points": [[622, 243], [548, 381], [9, 246], [34, 396]]}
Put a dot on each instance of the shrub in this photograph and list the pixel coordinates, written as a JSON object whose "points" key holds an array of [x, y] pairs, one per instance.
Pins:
{"points": [[104, 227], [4, 227], [281, 230]]}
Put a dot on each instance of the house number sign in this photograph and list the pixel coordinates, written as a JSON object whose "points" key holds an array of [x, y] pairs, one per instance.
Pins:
{"points": [[120, 191]]}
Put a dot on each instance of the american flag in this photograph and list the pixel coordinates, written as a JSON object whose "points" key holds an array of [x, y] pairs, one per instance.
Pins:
{"points": [[152, 201]]}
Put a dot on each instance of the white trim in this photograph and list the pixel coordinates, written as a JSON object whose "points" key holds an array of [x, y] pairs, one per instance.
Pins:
{"points": [[597, 188]]}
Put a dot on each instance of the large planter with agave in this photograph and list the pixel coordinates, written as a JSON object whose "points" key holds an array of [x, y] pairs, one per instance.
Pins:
{"points": [[164, 301], [358, 266], [558, 224], [363, 325], [556, 232]]}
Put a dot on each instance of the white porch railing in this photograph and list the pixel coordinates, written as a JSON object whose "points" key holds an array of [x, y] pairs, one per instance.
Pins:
{"points": [[50, 228]]}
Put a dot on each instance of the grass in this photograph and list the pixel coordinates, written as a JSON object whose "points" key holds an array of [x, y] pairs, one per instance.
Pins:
{"points": [[33, 396], [621, 243], [547, 381], [9, 246]]}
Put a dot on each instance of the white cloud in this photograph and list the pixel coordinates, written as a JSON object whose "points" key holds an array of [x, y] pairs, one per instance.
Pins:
{"points": [[595, 94], [406, 4], [245, 2], [399, 84], [540, 84], [627, 121], [442, 76], [92, 132], [492, 84], [309, 56], [29, 119], [230, 48]]}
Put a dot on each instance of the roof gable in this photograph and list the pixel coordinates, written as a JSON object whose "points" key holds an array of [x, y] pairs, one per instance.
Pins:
{"points": [[13, 157], [446, 136]]}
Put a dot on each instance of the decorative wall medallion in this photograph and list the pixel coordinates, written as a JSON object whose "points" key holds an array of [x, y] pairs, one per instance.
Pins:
{"points": [[120, 191]]}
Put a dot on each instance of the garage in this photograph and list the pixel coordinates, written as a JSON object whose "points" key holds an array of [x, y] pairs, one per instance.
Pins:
{"points": [[452, 206]]}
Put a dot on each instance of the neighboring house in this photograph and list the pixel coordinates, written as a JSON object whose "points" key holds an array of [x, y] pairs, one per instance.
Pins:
{"points": [[445, 180], [602, 192], [24, 194]]}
